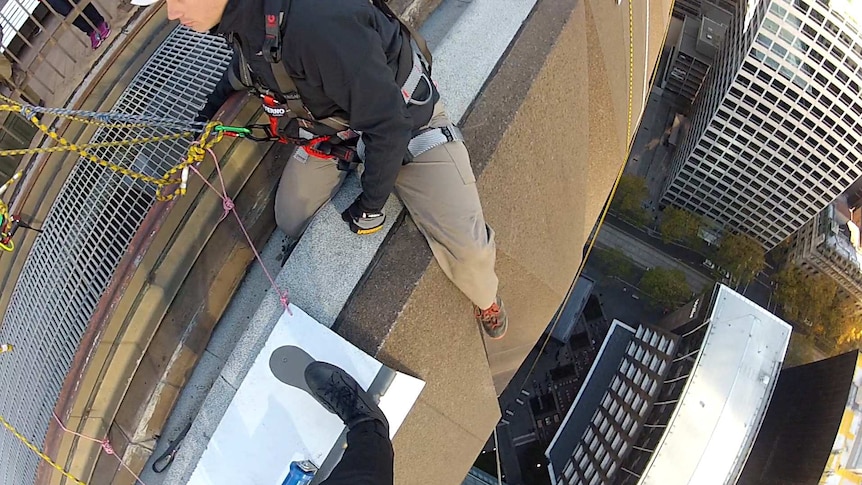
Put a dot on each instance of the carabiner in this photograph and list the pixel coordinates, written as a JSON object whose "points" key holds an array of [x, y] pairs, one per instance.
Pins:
{"points": [[267, 133], [234, 131]]}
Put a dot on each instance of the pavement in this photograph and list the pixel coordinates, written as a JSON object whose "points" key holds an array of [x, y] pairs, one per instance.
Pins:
{"points": [[650, 158], [61, 56]]}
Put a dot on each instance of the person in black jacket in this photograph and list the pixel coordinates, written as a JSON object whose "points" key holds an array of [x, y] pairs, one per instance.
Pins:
{"points": [[351, 69]]}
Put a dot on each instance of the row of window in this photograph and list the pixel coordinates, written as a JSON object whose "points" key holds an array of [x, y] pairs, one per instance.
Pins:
{"points": [[790, 164], [593, 447]]}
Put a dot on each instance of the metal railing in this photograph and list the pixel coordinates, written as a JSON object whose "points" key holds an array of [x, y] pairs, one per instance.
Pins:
{"points": [[46, 50], [86, 233]]}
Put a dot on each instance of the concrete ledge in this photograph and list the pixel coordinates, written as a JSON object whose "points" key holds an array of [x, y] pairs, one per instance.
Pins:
{"points": [[328, 261]]}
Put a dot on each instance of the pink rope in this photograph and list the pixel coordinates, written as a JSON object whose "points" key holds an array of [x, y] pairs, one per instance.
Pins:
{"points": [[104, 443], [283, 296], [229, 206]]}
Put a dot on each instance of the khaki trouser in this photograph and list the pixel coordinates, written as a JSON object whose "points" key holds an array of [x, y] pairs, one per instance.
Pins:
{"points": [[439, 190]]}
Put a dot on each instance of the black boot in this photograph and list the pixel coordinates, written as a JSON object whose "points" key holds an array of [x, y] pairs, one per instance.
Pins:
{"points": [[341, 395]]}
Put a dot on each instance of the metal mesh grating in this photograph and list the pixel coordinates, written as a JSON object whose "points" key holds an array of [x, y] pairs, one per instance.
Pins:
{"points": [[86, 233]]}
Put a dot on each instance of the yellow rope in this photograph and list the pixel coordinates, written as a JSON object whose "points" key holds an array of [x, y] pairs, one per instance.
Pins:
{"points": [[89, 146], [176, 175], [607, 205], [43, 456], [196, 152]]}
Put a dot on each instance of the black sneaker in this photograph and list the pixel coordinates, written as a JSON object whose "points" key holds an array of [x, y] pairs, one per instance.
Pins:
{"points": [[341, 395], [494, 320]]}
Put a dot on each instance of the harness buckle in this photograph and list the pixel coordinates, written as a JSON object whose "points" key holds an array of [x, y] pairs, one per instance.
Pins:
{"points": [[272, 40]]}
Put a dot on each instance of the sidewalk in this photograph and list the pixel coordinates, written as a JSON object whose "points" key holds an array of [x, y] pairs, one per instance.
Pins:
{"points": [[650, 158]]}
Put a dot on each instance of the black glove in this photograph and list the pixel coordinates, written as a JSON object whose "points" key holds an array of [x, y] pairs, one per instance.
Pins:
{"points": [[362, 221]]}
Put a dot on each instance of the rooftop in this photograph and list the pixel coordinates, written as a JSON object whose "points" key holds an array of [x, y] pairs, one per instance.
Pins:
{"points": [[723, 404], [579, 416], [674, 408]]}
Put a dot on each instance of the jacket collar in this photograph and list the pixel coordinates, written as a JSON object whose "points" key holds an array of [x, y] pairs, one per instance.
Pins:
{"points": [[241, 16]]}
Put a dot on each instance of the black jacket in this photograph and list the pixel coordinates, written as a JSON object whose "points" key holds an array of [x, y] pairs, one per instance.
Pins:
{"points": [[343, 56]]}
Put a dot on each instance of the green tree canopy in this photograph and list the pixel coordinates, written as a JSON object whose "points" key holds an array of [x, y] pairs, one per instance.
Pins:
{"points": [[741, 256], [679, 225], [631, 192], [667, 287], [614, 262], [810, 299]]}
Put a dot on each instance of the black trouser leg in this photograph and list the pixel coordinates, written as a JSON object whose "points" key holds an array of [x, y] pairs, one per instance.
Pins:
{"points": [[368, 458], [64, 8]]}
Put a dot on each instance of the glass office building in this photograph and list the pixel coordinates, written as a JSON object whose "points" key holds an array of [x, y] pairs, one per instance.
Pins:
{"points": [[776, 130]]}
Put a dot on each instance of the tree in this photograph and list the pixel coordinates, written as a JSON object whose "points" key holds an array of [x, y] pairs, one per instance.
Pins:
{"points": [[628, 199], [741, 256], [790, 290], [679, 225], [810, 299], [848, 330], [614, 262], [667, 287]]}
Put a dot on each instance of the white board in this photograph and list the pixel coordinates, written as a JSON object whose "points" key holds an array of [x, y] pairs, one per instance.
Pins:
{"points": [[268, 424]]}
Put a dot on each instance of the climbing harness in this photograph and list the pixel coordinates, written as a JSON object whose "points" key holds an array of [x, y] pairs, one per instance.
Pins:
{"points": [[289, 116]]}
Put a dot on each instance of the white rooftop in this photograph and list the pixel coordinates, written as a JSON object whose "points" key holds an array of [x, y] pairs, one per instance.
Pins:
{"points": [[721, 409]]}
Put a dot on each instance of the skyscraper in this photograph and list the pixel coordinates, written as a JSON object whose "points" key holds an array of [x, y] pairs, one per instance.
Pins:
{"points": [[830, 245], [676, 404], [776, 129]]}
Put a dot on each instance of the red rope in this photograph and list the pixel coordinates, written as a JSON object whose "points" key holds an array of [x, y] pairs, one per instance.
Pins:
{"points": [[229, 206], [104, 443]]}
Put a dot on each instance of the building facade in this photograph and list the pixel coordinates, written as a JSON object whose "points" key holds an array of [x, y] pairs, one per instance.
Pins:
{"points": [[695, 8], [692, 55], [812, 432], [830, 245], [674, 404], [777, 126]]}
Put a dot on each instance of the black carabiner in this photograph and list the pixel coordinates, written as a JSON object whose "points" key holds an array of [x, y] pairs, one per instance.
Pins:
{"points": [[267, 133], [163, 462]]}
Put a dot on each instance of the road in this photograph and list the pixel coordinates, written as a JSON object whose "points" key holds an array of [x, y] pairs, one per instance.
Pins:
{"points": [[758, 291], [648, 256]]}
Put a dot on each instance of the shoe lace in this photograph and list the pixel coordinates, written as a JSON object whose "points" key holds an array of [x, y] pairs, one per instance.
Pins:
{"points": [[338, 395], [490, 316]]}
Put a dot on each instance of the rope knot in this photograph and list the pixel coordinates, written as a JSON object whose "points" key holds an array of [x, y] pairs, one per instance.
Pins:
{"points": [[106, 445], [285, 301], [227, 204], [197, 153]]}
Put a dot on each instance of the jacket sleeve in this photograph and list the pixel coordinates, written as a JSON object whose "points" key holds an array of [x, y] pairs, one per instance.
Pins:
{"points": [[227, 85], [354, 74]]}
